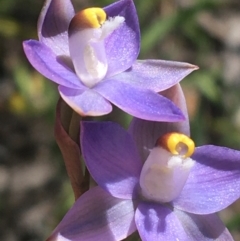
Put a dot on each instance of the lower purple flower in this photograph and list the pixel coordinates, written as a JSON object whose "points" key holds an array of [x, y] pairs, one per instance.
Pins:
{"points": [[173, 195]]}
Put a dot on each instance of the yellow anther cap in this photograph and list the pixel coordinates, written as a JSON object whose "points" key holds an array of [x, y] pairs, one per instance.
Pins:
{"points": [[177, 144], [88, 18]]}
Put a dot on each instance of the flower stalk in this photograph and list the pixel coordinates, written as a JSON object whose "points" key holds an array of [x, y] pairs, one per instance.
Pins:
{"points": [[66, 135]]}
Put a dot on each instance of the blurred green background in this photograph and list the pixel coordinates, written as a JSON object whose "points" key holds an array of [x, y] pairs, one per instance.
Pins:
{"points": [[34, 188]]}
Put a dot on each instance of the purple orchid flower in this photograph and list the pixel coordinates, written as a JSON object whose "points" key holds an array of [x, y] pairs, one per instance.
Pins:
{"points": [[192, 188], [92, 56]]}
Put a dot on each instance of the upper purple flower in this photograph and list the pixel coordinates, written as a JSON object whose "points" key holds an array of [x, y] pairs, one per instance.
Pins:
{"points": [[173, 195], [92, 57]]}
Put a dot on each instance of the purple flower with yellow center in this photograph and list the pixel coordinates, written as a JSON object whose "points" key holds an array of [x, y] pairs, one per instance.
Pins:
{"points": [[92, 56], [164, 188]]}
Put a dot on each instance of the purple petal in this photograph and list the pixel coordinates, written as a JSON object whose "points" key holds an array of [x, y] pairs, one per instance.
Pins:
{"points": [[123, 45], [156, 75], [141, 103], [214, 181], [53, 25], [203, 227], [96, 215], [45, 61], [111, 157], [85, 102], [157, 222], [146, 133]]}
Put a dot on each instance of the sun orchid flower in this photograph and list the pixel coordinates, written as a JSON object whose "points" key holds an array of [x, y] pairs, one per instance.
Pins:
{"points": [[92, 56], [169, 191]]}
